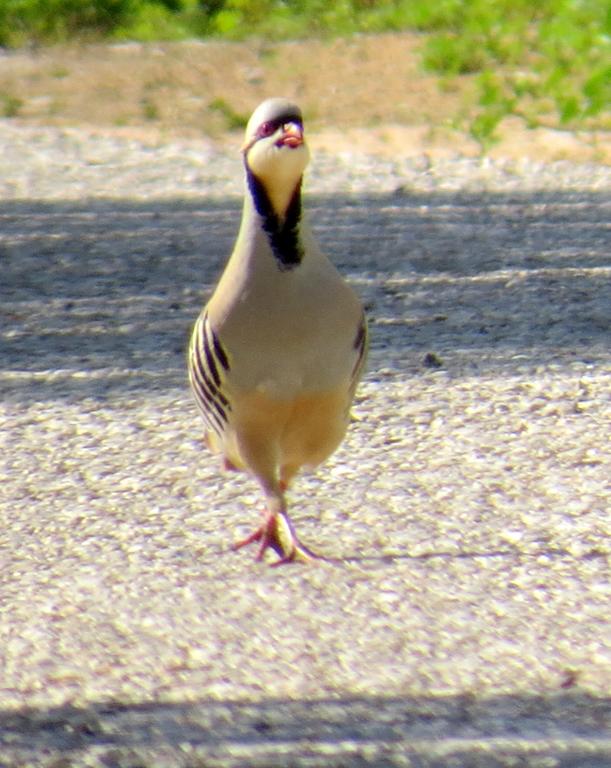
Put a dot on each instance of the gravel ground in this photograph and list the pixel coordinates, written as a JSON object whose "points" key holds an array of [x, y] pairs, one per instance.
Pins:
{"points": [[463, 616]]}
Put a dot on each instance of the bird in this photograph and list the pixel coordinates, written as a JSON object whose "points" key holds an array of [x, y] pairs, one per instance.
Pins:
{"points": [[277, 352]]}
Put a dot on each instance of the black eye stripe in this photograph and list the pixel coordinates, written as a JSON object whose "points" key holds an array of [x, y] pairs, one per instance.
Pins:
{"points": [[270, 127]]}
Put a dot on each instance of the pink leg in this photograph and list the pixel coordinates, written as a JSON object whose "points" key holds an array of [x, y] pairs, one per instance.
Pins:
{"points": [[277, 532], [228, 465], [296, 550], [267, 534]]}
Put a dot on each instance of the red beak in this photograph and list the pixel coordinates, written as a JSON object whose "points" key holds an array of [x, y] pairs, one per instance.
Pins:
{"points": [[292, 135]]}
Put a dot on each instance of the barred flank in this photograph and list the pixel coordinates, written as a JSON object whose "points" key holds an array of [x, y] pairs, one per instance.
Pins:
{"points": [[207, 362], [360, 345]]}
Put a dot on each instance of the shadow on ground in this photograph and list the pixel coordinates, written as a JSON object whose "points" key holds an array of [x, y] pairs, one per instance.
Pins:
{"points": [[108, 289], [565, 729]]}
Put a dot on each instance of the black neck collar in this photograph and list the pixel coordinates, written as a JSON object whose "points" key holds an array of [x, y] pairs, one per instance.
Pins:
{"points": [[283, 234]]}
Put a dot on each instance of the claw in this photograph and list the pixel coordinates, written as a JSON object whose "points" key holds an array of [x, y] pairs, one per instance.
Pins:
{"points": [[267, 534], [277, 532]]}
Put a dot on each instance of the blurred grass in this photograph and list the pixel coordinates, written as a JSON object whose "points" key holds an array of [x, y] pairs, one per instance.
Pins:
{"points": [[547, 61]]}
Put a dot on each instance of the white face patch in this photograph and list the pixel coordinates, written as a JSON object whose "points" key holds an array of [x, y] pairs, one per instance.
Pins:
{"points": [[278, 167]]}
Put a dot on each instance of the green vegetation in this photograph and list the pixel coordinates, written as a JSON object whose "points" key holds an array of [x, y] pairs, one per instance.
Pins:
{"points": [[9, 104], [233, 120], [545, 60], [150, 110], [25, 22]]}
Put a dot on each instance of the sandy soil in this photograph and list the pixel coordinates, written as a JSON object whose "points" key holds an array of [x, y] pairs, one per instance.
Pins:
{"points": [[364, 94]]}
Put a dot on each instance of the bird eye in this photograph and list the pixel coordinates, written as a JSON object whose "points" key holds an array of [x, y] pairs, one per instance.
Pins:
{"points": [[266, 129]]}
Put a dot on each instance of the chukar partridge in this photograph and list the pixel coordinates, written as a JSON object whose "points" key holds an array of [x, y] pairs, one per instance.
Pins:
{"points": [[276, 354]]}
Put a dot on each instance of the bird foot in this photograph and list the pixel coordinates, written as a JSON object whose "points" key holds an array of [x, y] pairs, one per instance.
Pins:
{"points": [[267, 534], [277, 532], [228, 465]]}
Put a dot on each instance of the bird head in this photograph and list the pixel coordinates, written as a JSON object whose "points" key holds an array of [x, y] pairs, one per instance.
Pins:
{"points": [[275, 150]]}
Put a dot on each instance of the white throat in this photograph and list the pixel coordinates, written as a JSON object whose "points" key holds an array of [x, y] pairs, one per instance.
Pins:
{"points": [[280, 171]]}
